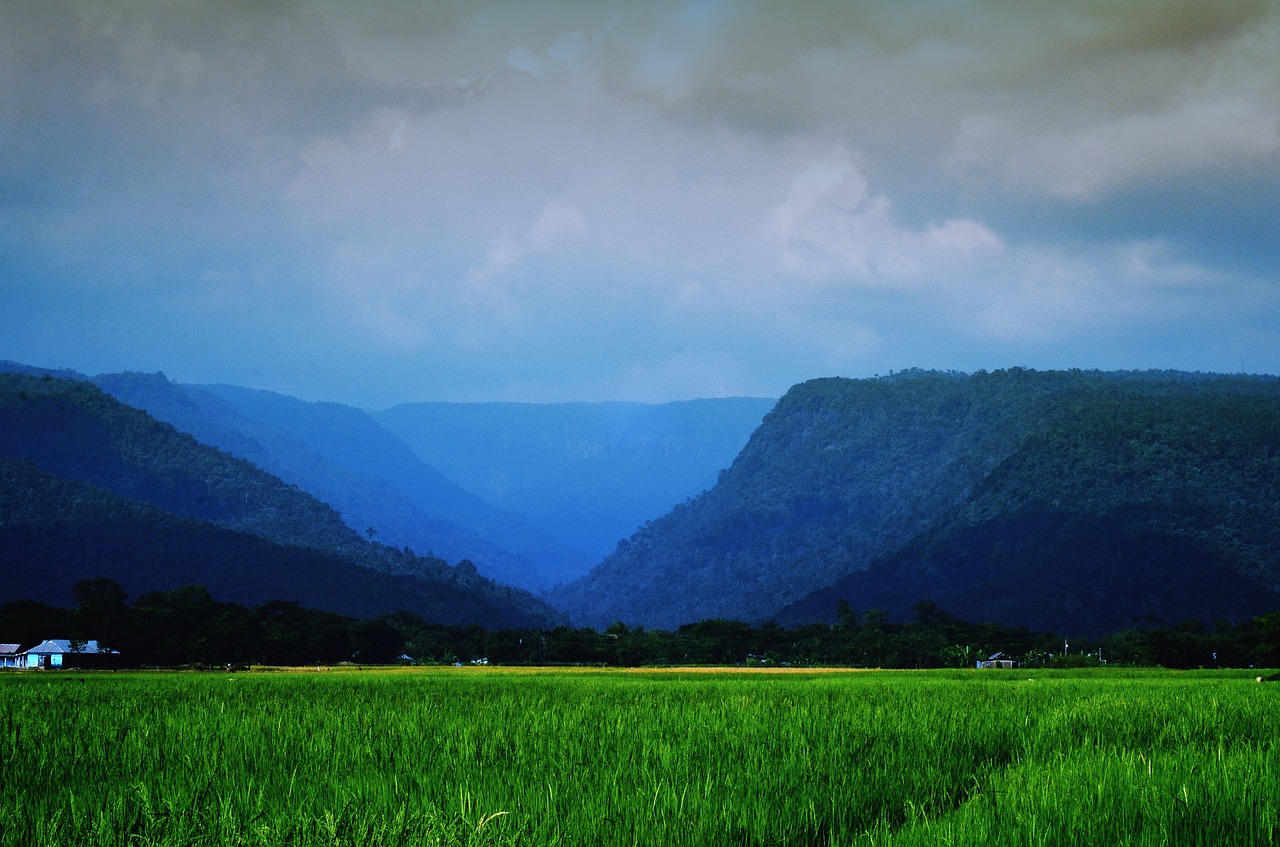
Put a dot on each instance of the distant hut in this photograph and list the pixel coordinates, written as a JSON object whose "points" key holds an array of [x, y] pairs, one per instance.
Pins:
{"points": [[65, 653], [997, 660], [10, 656]]}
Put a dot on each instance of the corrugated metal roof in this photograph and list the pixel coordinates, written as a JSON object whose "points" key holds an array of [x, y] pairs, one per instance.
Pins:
{"points": [[63, 645], [9, 648]]}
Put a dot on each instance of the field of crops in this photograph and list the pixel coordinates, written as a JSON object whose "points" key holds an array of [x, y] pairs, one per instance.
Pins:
{"points": [[495, 756]]}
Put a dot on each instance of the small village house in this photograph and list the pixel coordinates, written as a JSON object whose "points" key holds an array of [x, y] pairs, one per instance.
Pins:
{"points": [[65, 653], [11, 656], [997, 660]]}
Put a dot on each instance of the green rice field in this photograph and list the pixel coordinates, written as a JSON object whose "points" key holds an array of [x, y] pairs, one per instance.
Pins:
{"points": [[446, 756]]}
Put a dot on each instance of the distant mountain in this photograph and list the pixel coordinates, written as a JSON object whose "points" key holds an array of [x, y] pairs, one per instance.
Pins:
{"points": [[589, 473], [343, 457], [1073, 502], [93, 487], [57, 532], [11, 367]]}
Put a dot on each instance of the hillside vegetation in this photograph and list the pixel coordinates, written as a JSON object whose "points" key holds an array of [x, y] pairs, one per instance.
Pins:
{"points": [[1069, 501]]}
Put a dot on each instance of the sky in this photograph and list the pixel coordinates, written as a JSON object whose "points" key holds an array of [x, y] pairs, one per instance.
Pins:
{"points": [[388, 201]]}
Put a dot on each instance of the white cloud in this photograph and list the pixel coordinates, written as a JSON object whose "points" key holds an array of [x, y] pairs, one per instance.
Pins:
{"points": [[557, 222], [497, 293], [1043, 301], [829, 225], [1041, 297], [963, 237], [386, 309], [1149, 260], [522, 59]]}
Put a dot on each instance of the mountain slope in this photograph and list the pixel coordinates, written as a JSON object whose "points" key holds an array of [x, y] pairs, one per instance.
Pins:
{"points": [[57, 532], [1015, 496], [90, 479], [344, 458], [1142, 501], [589, 473]]}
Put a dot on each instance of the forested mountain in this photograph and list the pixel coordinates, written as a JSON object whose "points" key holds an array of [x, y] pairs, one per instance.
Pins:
{"points": [[590, 473], [1079, 502], [542, 491], [1069, 501], [93, 487], [10, 367], [344, 458]]}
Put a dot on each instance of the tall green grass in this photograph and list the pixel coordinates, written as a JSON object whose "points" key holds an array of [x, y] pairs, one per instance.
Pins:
{"points": [[487, 756]]}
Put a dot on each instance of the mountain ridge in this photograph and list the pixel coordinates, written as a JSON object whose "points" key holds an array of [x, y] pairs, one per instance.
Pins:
{"points": [[845, 475], [340, 455], [79, 465]]}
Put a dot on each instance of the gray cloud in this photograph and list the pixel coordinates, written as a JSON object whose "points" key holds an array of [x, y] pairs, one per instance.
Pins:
{"points": [[385, 201]]}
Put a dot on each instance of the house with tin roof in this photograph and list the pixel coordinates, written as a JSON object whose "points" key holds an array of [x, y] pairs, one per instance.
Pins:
{"points": [[998, 660], [11, 656], [66, 653]]}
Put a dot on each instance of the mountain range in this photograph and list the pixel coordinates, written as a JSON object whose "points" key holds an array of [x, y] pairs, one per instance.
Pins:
{"points": [[387, 492], [1075, 501], [91, 487], [343, 457]]}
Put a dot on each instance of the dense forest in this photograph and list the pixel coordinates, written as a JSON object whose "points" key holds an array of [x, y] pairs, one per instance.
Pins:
{"points": [[1078, 501], [187, 626]]}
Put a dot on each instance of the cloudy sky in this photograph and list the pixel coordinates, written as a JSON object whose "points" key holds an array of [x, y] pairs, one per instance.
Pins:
{"points": [[542, 201]]}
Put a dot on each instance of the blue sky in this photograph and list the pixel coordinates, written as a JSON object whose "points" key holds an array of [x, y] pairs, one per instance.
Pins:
{"points": [[391, 201]]}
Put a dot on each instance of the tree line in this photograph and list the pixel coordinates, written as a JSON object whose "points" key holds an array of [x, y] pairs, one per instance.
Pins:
{"points": [[187, 626]]}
